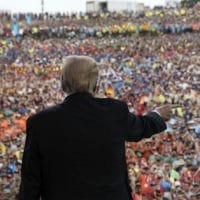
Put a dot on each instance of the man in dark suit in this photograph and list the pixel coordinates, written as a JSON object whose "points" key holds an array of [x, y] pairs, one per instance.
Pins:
{"points": [[76, 149]]}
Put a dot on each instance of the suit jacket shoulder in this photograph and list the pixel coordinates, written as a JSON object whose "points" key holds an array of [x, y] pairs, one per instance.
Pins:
{"points": [[117, 108], [48, 114]]}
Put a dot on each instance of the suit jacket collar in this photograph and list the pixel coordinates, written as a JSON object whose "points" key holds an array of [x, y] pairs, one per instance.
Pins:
{"points": [[77, 95]]}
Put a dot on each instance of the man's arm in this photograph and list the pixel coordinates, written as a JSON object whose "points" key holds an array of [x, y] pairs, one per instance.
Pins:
{"points": [[30, 173], [140, 127]]}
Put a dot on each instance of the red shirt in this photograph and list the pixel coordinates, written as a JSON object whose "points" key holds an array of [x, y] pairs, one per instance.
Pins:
{"points": [[146, 184]]}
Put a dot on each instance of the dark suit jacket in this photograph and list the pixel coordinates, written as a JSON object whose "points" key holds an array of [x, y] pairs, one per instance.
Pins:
{"points": [[76, 149]]}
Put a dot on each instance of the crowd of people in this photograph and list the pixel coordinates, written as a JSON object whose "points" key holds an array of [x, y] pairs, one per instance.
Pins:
{"points": [[169, 20], [145, 70]]}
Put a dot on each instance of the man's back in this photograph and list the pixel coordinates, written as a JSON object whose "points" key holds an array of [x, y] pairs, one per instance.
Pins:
{"points": [[76, 150], [81, 145]]}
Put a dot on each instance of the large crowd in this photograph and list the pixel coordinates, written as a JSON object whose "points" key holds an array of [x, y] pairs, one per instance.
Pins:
{"points": [[147, 60], [100, 24]]}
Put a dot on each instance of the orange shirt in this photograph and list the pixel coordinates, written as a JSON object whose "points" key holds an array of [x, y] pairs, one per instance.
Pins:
{"points": [[21, 123], [4, 123], [146, 184]]}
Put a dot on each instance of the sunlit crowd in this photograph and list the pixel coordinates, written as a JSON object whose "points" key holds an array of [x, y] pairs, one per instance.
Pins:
{"points": [[147, 60]]}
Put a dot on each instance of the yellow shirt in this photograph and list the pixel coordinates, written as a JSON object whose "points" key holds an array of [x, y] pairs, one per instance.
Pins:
{"points": [[2, 148]]}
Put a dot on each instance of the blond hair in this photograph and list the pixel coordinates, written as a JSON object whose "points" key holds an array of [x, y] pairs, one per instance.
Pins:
{"points": [[80, 74]]}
